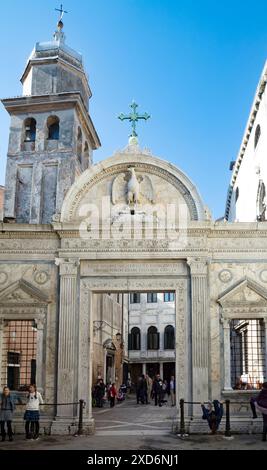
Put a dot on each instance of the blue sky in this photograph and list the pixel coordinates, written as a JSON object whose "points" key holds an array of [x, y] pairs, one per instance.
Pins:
{"points": [[193, 65]]}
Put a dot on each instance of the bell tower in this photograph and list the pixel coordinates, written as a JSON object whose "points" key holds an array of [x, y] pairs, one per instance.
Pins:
{"points": [[52, 136]]}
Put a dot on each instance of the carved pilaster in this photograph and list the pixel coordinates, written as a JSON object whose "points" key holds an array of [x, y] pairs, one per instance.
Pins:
{"points": [[68, 338], [2, 325], [226, 353], [85, 349], [200, 328], [265, 333], [182, 365], [40, 322]]}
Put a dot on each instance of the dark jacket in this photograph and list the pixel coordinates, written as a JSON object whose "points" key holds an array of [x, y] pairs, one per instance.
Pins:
{"points": [[7, 408], [262, 398]]}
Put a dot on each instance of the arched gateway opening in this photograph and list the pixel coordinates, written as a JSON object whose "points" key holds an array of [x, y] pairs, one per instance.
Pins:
{"points": [[124, 230]]}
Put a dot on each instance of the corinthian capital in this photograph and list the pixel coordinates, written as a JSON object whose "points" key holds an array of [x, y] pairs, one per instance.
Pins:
{"points": [[67, 267], [198, 266]]}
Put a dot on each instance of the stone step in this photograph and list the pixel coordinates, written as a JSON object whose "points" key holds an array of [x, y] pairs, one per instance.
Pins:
{"points": [[136, 432]]}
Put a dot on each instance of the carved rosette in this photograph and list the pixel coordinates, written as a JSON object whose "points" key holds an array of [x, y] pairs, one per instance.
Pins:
{"points": [[41, 277], [263, 275], [3, 277], [225, 275]]}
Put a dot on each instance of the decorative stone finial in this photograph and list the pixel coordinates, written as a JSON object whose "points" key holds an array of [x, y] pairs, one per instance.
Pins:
{"points": [[133, 140], [59, 35]]}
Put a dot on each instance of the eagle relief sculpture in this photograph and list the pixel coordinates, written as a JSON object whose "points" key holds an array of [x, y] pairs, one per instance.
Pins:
{"points": [[132, 189]]}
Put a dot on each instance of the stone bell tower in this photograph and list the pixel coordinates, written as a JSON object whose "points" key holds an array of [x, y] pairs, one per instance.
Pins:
{"points": [[52, 136]]}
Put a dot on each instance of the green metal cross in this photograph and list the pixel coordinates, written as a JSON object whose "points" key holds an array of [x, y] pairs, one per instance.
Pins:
{"points": [[134, 117]]}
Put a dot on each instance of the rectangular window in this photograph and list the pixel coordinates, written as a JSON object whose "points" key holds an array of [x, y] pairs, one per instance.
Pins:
{"points": [[13, 370], [169, 297], [247, 340], [135, 298], [19, 354], [152, 297]]}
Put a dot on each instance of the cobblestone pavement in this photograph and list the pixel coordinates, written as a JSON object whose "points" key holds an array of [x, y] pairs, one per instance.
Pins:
{"points": [[136, 427]]}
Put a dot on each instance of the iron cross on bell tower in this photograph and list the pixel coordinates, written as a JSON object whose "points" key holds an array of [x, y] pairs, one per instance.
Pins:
{"points": [[134, 117], [61, 11]]}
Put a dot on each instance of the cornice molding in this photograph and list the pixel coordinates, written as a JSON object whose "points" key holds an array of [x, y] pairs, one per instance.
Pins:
{"points": [[52, 101], [225, 298], [252, 116]]}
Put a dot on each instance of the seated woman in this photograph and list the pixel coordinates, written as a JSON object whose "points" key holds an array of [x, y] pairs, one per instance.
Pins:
{"points": [[213, 414]]}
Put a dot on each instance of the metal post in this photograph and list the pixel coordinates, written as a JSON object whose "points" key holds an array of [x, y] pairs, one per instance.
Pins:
{"points": [[80, 424], [182, 424], [227, 422]]}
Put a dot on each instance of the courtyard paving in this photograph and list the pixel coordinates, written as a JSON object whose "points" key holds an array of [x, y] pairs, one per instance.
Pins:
{"points": [[136, 427]]}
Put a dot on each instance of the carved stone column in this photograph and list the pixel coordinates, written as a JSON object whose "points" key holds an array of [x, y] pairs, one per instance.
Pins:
{"points": [[104, 362], [226, 353], [40, 353], [200, 329], [183, 375], [85, 363], [68, 339], [2, 325], [265, 358]]}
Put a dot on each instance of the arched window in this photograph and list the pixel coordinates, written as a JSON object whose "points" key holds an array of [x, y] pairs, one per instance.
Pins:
{"points": [[257, 135], [53, 128], [169, 337], [79, 144], [134, 339], [152, 338], [29, 130], [236, 194], [261, 202]]}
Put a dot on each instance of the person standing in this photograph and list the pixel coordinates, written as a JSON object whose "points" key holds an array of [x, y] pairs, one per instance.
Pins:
{"points": [[261, 404], [144, 397], [112, 395], [138, 389], [7, 408], [172, 390], [100, 393], [149, 382], [157, 390], [32, 414]]}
